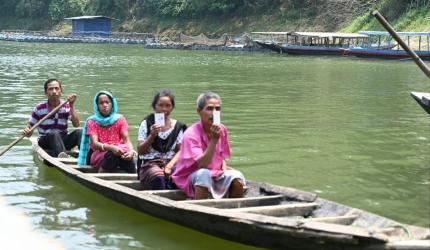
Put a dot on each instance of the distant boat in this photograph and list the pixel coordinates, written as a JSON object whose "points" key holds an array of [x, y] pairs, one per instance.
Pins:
{"points": [[268, 216], [269, 45], [270, 40], [380, 45], [321, 43]]}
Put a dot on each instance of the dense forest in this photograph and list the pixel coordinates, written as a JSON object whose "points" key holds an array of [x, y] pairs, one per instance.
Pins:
{"points": [[215, 16]]}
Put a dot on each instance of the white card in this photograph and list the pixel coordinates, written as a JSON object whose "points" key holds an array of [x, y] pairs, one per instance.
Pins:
{"points": [[159, 119], [216, 115]]}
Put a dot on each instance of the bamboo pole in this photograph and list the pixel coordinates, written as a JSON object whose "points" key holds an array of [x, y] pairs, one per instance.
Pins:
{"points": [[34, 127], [393, 33]]}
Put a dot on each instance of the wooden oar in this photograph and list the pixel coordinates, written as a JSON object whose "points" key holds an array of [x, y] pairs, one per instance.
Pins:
{"points": [[34, 126], [393, 33]]}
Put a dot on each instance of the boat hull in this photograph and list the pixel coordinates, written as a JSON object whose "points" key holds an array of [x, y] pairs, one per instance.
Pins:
{"points": [[230, 219], [311, 50], [423, 100], [386, 54]]}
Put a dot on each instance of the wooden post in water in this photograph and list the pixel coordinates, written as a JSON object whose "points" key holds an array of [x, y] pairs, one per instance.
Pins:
{"points": [[393, 33]]}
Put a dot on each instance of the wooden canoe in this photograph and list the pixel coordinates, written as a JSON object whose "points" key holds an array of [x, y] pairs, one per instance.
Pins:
{"points": [[423, 100], [268, 216]]}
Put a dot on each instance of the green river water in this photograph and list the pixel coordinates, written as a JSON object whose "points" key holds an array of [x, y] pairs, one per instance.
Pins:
{"points": [[344, 128]]}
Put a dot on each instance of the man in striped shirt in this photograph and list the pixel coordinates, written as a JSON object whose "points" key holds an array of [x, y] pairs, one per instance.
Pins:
{"points": [[53, 134]]}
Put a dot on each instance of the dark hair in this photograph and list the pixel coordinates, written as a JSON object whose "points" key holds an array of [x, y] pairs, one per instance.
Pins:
{"points": [[49, 81], [103, 93], [162, 93]]}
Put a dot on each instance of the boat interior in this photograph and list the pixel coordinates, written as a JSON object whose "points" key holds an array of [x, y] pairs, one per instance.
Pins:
{"points": [[280, 203]]}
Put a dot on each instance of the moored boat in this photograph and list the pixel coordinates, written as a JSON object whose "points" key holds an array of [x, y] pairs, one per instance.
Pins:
{"points": [[270, 40], [269, 45], [268, 216], [380, 45], [321, 43]]}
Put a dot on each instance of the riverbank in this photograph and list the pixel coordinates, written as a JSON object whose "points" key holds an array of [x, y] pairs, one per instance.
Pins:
{"points": [[34, 37], [215, 18], [149, 41]]}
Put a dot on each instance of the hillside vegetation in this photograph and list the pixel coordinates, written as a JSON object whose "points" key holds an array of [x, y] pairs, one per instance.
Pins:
{"points": [[216, 17]]}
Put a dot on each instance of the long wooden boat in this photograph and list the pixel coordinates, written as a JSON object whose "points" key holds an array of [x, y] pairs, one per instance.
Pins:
{"points": [[321, 43], [380, 45], [268, 216], [423, 100], [310, 50], [384, 54]]}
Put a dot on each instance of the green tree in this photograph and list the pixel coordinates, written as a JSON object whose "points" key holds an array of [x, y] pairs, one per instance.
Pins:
{"points": [[32, 8], [59, 9], [112, 8], [7, 8]]}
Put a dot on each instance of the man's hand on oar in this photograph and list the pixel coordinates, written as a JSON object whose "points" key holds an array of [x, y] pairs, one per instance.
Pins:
{"points": [[27, 131]]}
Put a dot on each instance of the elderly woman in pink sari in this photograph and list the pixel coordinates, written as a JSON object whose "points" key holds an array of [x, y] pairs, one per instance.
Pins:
{"points": [[201, 171]]}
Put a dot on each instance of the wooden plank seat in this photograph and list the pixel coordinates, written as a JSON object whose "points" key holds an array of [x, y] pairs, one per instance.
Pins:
{"points": [[294, 209], [239, 202], [134, 184], [67, 160], [343, 219], [90, 169], [115, 176], [175, 194], [85, 168]]}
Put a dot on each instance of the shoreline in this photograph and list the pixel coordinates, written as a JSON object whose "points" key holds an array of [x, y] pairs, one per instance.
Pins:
{"points": [[150, 43]]}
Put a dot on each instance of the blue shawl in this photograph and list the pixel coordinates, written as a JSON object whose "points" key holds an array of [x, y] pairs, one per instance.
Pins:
{"points": [[99, 119]]}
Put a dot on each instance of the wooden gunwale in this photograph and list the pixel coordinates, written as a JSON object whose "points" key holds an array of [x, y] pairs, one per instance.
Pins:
{"points": [[249, 228]]}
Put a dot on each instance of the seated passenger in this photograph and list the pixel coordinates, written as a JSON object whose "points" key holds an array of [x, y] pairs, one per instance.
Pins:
{"points": [[201, 171], [106, 135], [159, 143]]}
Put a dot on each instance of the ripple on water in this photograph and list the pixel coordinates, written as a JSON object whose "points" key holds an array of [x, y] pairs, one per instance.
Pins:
{"points": [[18, 156], [17, 187], [73, 217], [35, 208], [120, 240], [300, 121], [77, 239], [22, 199]]}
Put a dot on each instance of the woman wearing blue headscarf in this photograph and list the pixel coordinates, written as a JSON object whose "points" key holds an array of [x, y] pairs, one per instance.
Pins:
{"points": [[106, 135]]}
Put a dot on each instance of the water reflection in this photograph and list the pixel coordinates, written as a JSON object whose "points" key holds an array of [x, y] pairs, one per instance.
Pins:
{"points": [[343, 128]]}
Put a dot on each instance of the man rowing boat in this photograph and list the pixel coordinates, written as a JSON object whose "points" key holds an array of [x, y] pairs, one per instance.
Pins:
{"points": [[53, 134]]}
